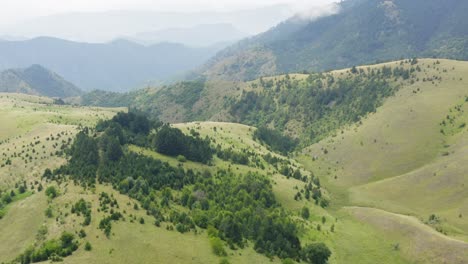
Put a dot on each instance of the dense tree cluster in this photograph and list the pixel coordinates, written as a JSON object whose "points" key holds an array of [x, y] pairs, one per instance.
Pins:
{"points": [[277, 141], [53, 250], [233, 156], [172, 142], [321, 103], [84, 157]]}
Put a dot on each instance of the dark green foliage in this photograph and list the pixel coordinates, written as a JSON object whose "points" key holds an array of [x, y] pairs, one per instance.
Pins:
{"points": [[305, 213], [111, 148], [128, 175], [22, 189], [82, 233], [275, 140], [106, 223], [51, 192], [171, 141], [47, 174], [234, 156], [82, 208], [7, 198], [88, 246], [131, 128], [134, 122], [317, 253], [48, 212], [84, 159], [52, 249], [319, 110]]}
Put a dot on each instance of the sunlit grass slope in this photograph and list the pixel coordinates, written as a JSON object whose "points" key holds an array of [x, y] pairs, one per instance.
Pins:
{"points": [[407, 159]]}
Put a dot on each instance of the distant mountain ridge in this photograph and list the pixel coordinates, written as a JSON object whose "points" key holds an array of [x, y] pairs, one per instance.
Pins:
{"points": [[196, 36], [37, 80], [108, 25], [116, 66], [364, 31]]}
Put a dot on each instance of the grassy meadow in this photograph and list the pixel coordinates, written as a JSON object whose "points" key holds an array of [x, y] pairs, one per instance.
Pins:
{"points": [[404, 163]]}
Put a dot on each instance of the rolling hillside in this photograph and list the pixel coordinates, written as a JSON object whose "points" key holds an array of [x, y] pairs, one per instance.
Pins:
{"points": [[34, 217], [37, 80], [362, 32], [407, 174], [306, 106], [401, 197]]}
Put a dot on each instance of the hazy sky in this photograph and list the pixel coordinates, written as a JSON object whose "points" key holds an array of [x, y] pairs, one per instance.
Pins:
{"points": [[12, 11]]}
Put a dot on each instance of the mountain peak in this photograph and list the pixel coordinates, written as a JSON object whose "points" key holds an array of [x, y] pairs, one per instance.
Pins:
{"points": [[37, 80]]}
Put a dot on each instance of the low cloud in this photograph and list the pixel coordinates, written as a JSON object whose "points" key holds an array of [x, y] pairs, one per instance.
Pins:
{"points": [[305, 10]]}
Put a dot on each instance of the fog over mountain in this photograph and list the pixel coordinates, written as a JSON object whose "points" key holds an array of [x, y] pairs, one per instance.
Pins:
{"points": [[116, 21]]}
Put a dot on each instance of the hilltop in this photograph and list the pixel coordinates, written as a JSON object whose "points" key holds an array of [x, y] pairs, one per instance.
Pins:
{"points": [[37, 80]]}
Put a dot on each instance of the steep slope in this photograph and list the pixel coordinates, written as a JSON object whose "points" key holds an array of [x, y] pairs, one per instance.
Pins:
{"points": [[36, 80], [363, 32], [403, 168], [117, 66]]}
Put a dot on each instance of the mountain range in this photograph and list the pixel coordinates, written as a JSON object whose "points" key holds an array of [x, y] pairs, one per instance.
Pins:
{"points": [[106, 26], [362, 32], [120, 65], [196, 36]]}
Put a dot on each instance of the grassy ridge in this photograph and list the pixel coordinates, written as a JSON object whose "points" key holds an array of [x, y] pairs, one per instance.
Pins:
{"points": [[405, 161]]}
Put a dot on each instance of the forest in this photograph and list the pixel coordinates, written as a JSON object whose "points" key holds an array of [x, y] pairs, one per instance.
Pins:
{"points": [[321, 103]]}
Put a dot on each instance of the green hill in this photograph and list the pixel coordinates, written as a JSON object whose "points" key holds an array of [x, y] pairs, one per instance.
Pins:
{"points": [[148, 229], [306, 106], [402, 169], [388, 147], [36, 80], [362, 32]]}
